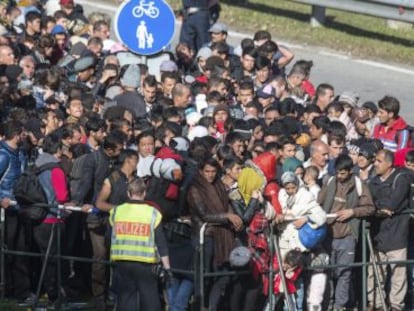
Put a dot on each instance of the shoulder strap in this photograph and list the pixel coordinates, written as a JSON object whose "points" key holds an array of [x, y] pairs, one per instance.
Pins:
{"points": [[45, 167], [395, 180], [358, 185], [7, 170]]}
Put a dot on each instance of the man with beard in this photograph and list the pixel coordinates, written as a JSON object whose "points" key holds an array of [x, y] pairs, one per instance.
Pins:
{"points": [[96, 168], [95, 129], [12, 163], [350, 199], [209, 202]]}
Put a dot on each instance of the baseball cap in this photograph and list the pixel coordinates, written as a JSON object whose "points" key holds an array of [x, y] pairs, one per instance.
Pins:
{"points": [[266, 92], [218, 27], [84, 63]]}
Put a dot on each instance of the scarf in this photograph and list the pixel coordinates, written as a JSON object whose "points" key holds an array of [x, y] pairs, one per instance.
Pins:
{"points": [[217, 202]]}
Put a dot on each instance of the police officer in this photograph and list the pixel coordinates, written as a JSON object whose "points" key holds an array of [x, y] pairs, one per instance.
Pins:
{"points": [[137, 243], [196, 23]]}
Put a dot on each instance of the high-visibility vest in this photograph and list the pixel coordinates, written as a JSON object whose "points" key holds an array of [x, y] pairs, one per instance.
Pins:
{"points": [[133, 227]]}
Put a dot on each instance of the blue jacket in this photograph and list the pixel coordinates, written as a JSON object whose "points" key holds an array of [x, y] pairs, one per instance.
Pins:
{"points": [[12, 164]]}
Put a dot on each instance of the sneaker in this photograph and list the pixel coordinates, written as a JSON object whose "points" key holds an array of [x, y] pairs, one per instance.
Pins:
{"points": [[28, 300]]}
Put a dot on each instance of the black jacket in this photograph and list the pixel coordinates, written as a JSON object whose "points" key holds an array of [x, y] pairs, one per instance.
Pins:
{"points": [[391, 233], [97, 167]]}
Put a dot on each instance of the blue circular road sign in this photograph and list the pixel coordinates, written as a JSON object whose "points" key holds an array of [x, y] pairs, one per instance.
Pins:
{"points": [[146, 27]]}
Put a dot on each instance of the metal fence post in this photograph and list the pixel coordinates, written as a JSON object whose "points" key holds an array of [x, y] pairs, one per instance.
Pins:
{"points": [[364, 264], [201, 274], [318, 17], [2, 256]]}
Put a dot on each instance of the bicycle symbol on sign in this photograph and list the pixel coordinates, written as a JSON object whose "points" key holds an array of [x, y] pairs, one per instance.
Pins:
{"points": [[145, 8]]}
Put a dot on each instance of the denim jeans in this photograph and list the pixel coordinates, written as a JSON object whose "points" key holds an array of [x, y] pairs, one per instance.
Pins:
{"points": [[179, 293]]}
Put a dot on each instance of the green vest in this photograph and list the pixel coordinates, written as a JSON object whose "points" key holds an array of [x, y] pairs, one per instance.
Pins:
{"points": [[133, 228]]}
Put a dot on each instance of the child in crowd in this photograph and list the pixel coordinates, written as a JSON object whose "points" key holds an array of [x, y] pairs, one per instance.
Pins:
{"points": [[311, 180], [292, 267]]}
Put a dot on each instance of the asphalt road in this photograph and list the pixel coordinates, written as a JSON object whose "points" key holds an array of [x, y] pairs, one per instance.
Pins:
{"points": [[371, 80]]}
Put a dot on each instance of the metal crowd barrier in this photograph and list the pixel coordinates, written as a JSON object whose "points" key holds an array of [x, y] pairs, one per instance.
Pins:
{"points": [[199, 272]]}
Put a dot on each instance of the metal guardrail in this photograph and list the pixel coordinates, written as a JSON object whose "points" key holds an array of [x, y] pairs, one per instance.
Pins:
{"points": [[402, 10]]}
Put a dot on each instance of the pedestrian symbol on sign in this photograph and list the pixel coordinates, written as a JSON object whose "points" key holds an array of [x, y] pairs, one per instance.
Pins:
{"points": [[145, 28]]}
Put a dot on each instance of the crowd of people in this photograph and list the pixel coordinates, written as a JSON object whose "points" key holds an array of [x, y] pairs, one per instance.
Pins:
{"points": [[238, 137]]}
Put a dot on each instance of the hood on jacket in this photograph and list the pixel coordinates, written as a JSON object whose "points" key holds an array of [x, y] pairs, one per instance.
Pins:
{"points": [[45, 158], [267, 163]]}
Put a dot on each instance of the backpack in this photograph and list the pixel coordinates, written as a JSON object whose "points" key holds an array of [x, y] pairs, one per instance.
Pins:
{"points": [[411, 195], [30, 195], [410, 130], [76, 174]]}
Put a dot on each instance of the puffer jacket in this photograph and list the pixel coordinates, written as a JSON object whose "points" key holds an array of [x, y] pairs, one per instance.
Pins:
{"points": [[12, 163]]}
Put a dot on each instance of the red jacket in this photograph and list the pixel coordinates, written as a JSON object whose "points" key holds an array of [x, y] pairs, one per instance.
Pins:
{"points": [[267, 163], [395, 137]]}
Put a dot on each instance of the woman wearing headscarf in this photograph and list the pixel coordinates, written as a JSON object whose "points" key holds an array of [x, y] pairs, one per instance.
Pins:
{"points": [[298, 203], [246, 200]]}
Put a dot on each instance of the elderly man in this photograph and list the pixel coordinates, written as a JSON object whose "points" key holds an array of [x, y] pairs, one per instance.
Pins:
{"points": [[28, 64], [319, 156]]}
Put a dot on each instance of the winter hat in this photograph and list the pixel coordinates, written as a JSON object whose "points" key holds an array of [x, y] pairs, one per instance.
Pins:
{"points": [[58, 29], [204, 52], [352, 147], [221, 107], [131, 77], [367, 150], [240, 256], [77, 49], [291, 164], [168, 66], [350, 98], [288, 178]]}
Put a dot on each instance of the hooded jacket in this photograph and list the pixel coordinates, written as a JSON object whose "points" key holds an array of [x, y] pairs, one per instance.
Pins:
{"points": [[266, 162]]}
